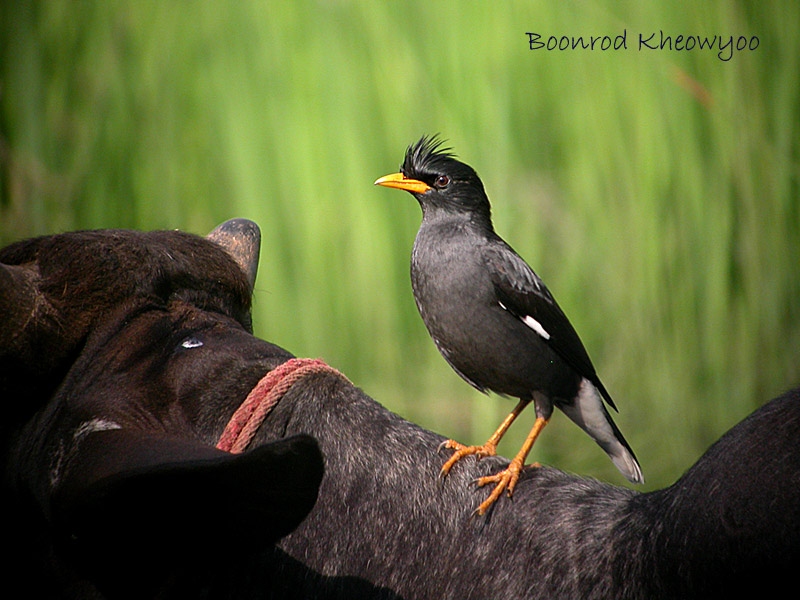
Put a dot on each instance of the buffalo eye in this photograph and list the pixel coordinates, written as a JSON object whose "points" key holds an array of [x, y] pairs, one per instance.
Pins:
{"points": [[191, 342], [442, 181]]}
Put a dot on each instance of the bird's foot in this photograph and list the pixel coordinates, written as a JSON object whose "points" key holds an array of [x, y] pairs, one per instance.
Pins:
{"points": [[505, 480], [488, 449]]}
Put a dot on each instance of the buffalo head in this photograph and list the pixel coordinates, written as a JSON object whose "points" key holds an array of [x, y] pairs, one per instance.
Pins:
{"points": [[122, 355]]}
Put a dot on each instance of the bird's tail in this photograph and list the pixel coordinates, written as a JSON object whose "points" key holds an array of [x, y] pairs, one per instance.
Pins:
{"points": [[589, 413]]}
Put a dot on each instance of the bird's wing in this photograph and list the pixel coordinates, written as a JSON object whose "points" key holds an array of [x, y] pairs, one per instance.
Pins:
{"points": [[523, 294]]}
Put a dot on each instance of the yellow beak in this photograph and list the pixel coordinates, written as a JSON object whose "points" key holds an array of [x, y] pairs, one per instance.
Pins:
{"points": [[400, 182]]}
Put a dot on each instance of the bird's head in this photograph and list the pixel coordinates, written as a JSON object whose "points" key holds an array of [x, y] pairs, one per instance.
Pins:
{"points": [[438, 181]]}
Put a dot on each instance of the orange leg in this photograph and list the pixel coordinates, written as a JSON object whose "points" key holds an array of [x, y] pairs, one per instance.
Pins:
{"points": [[489, 448], [508, 477]]}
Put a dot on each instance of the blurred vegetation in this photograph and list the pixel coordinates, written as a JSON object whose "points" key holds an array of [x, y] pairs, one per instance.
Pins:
{"points": [[655, 191]]}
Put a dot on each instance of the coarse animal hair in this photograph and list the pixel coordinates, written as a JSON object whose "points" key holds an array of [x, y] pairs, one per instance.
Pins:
{"points": [[114, 487]]}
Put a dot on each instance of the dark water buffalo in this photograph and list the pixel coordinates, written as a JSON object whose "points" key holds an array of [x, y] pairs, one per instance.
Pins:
{"points": [[123, 355]]}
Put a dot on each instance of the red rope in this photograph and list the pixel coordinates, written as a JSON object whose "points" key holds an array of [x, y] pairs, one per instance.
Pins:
{"points": [[262, 399]]}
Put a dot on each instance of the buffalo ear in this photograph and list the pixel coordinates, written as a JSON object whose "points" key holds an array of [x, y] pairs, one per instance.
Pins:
{"points": [[148, 504], [18, 304], [241, 239], [31, 343]]}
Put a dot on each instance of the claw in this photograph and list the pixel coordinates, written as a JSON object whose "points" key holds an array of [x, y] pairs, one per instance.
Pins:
{"points": [[449, 444], [506, 480], [488, 449]]}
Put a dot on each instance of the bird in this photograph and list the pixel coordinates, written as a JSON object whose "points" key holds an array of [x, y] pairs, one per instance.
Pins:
{"points": [[493, 319]]}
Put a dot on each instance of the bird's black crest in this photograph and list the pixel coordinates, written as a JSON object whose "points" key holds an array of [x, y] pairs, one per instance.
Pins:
{"points": [[426, 156]]}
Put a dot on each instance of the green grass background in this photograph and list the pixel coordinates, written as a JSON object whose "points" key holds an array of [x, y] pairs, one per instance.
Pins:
{"points": [[656, 192]]}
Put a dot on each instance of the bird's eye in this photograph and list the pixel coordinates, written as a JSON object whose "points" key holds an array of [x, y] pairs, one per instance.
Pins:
{"points": [[442, 181]]}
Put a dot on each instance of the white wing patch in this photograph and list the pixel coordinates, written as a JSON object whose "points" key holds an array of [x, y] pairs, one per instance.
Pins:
{"points": [[536, 326], [532, 323]]}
